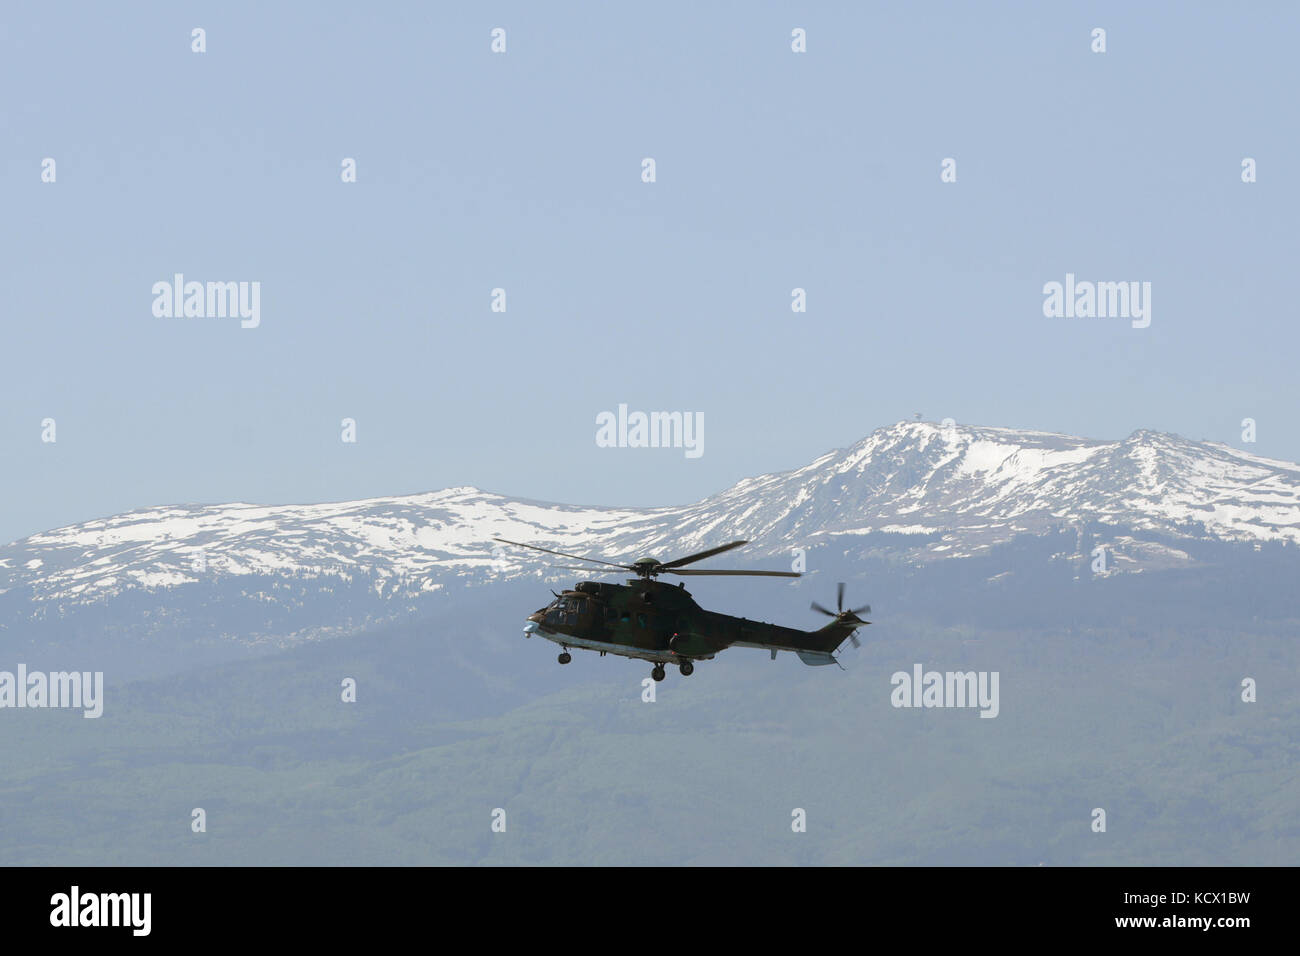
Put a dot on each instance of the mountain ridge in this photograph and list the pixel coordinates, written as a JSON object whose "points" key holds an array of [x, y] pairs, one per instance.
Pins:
{"points": [[928, 491]]}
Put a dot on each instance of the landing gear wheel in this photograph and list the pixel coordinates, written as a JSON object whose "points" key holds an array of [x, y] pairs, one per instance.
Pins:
{"points": [[687, 668], [564, 658], [658, 672]]}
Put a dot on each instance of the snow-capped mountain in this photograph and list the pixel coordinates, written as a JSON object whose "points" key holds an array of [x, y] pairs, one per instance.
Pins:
{"points": [[926, 492]]}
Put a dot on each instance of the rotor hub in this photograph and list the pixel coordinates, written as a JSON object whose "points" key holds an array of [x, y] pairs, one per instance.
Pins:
{"points": [[646, 567]]}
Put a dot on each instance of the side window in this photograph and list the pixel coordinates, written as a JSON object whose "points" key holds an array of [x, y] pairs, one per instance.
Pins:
{"points": [[640, 620]]}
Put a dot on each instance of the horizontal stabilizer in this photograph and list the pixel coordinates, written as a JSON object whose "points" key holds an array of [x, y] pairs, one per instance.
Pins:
{"points": [[815, 658]]}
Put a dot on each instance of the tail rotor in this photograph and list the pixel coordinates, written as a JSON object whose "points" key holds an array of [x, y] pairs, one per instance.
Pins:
{"points": [[848, 617]]}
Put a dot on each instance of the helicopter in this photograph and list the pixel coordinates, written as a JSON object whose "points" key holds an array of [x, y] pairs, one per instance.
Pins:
{"points": [[650, 620]]}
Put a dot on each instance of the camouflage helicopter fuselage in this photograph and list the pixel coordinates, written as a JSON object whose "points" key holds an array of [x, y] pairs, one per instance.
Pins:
{"points": [[656, 622], [662, 623]]}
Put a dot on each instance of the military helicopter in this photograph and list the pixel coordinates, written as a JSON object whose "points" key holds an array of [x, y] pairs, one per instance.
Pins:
{"points": [[653, 621]]}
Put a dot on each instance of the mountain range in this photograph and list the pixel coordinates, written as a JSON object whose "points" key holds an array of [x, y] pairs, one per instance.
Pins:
{"points": [[227, 633], [915, 493]]}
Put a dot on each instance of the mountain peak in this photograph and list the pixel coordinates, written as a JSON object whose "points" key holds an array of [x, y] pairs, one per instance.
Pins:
{"points": [[925, 490]]}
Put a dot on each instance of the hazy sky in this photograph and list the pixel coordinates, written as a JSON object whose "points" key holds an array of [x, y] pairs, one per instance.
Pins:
{"points": [[522, 171]]}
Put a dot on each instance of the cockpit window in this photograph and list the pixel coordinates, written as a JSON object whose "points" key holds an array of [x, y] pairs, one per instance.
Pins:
{"points": [[566, 610]]}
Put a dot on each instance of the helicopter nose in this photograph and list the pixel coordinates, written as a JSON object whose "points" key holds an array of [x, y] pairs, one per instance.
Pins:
{"points": [[532, 624]]}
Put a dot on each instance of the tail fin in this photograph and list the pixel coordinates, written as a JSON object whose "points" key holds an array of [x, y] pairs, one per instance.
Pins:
{"points": [[841, 628], [823, 643]]}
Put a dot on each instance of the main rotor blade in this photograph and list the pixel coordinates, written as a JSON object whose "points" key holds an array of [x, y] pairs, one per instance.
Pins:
{"points": [[839, 596], [568, 567], [752, 574], [692, 558], [818, 607], [565, 554], [858, 611]]}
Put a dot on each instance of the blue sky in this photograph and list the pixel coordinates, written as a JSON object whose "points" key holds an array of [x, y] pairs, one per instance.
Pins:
{"points": [[775, 170]]}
